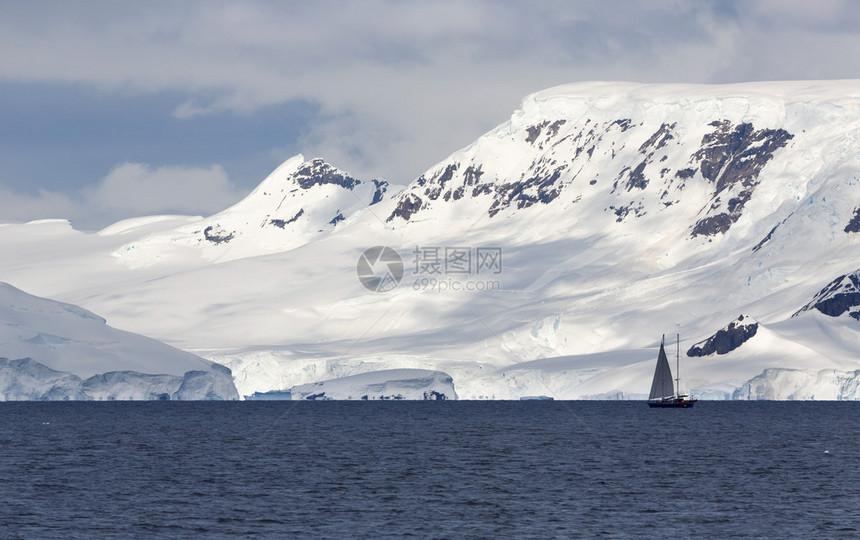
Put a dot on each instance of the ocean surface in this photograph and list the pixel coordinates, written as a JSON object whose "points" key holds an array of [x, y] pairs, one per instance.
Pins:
{"points": [[429, 470]]}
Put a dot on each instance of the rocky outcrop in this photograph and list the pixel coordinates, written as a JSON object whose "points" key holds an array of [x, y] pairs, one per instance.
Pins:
{"points": [[840, 297], [535, 131], [407, 207], [298, 201], [379, 193], [726, 339], [317, 173], [731, 157], [541, 186], [284, 222], [217, 235], [543, 180], [854, 225]]}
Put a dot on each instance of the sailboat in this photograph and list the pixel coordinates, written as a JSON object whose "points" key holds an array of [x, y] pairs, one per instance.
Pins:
{"points": [[663, 392]]}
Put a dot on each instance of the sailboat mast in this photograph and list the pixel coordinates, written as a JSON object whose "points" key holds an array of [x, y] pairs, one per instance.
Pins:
{"points": [[678, 365]]}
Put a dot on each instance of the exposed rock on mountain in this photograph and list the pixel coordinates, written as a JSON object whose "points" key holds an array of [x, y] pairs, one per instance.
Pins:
{"points": [[273, 202], [731, 158], [840, 297], [726, 339], [557, 153], [319, 173], [298, 202], [614, 212], [854, 225]]}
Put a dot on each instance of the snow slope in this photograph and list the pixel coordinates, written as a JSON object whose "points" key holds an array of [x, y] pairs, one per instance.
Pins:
{"points": [[298, 202], [547, 258]]}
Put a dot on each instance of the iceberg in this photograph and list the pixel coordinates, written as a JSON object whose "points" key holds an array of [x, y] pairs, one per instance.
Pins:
{"points": [[389, 384], [63, 352]]}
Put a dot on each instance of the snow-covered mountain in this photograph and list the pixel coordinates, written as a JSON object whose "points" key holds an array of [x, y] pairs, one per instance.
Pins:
{"points": [[547, 258], [299, 202], [55, 351]]}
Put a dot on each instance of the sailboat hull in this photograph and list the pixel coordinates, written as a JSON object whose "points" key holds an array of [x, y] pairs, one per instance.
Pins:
{"points": [[673, 403]]}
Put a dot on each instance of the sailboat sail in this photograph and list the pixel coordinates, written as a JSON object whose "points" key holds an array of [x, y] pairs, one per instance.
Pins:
{"points": [[662, 385]]}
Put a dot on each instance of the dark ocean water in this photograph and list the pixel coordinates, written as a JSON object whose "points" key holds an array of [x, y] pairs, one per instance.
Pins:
{"points": [[429, 469]]}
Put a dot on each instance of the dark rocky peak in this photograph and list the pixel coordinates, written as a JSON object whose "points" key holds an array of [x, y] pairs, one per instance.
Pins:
{"points": [[731, 157], [317, 172], [726, 339], [841, 296]]}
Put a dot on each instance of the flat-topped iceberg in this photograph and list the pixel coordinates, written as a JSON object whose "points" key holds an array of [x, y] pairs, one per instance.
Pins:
{"points": [[389, 384]]}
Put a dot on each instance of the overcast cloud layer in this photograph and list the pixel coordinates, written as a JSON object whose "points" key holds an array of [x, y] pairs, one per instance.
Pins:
{"points": [[389, 87]]}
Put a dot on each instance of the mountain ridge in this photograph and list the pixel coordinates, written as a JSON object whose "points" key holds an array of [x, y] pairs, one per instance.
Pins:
{"points": [[621, 211]]}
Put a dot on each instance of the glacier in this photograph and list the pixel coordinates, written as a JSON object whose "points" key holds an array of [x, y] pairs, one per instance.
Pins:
{"points": [[796, 384], [621, 212], [27, 380]]}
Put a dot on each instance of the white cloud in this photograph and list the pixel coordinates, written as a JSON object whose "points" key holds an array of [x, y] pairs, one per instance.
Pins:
{"points": [[792, 14], [128, 190], [400, 85], [140, 189], [19, 207]]}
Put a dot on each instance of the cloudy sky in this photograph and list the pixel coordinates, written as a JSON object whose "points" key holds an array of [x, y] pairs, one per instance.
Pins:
{"points": [[118, 109]]}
